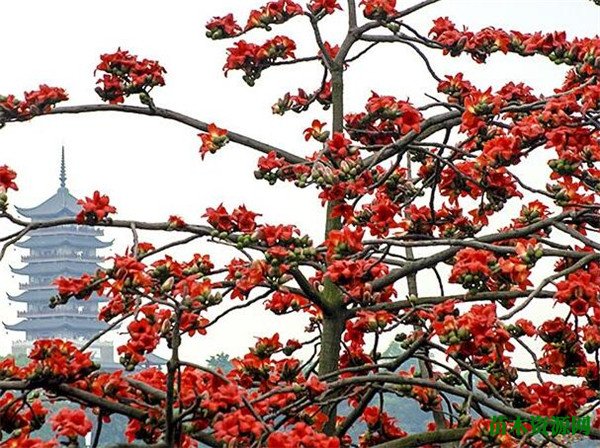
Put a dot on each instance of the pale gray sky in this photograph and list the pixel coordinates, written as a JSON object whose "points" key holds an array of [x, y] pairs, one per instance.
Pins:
{"points": [[151, 168]]}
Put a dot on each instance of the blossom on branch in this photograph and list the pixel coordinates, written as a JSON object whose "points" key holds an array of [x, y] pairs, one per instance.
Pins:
{"points": [[94, 209], [214, 139], [126, 75]]}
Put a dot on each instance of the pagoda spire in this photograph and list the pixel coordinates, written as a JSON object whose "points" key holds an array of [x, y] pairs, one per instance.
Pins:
{"points": [[63, 169]]}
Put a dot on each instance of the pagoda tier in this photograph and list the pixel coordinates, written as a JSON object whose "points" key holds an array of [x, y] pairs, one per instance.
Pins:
{"points": [[42, 242], [42, 294], [56, 268], [69, 251], [59, 326]]}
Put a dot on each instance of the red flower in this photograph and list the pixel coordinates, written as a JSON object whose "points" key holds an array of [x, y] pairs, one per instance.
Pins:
{"points": [[343, 242], [472, 267], [219, 218], [71, 423], [23, 441], [240, 55], [7, 177], [253, 59], [238, 428], [280, 47], [222, 27], [74, 286], [409, 119], [579, 290], [280, 302], [244, 219], [42, 100], [176, 222], [316, 131], [315, 387], [455, 87], [213, 140], [501, 151], [379, 9], [275, 12], [329, 6], [302, 435], [526, 327], [339, 146], [271, 162], [94, 209]]}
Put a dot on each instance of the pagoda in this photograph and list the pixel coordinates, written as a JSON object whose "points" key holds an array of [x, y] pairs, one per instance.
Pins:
{"points": [[70, 251]]}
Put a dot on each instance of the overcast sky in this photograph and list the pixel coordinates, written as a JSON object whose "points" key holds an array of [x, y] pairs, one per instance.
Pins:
{"points": [[151, 168]]}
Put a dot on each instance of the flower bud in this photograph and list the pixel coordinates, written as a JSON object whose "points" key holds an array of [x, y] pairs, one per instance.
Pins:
{"points": [[167, 285]]}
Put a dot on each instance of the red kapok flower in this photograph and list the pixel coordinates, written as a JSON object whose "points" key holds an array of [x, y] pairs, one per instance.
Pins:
{"points": [[329, 6], [71, 423], [316, 131], [7, 177], [213, 140], [176, 222], [379, 9], [222, 27], [94, 209]]}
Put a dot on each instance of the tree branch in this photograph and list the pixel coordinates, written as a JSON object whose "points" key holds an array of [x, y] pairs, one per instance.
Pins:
{"points": [[180, 118]]}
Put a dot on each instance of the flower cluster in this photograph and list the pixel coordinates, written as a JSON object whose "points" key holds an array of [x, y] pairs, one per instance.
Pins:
{"points": [[481, 44], [302, 435], [303, 100], [563, 352], [480, 270], [549, 399], [252, 59], [35, 102], [144, 334], [481, 435], [476, 335], [355, 277], [385, 120], [381, 427], [126, 75], [71, 423], [273, 13], [20, 417]]}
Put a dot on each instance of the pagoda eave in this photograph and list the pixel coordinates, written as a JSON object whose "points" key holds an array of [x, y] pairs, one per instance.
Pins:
{"points": [[44, 324], [45, 295], [55, 269], [44, 242], [62, 204]]}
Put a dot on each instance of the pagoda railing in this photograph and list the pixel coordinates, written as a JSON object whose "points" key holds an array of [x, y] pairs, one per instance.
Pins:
{"points": [[29, 286], [69, 230], [56, 314], [42, 258]]}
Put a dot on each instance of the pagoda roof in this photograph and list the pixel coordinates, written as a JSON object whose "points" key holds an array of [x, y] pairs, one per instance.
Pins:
{"points": [[155, 360], [40, 241], [57, 267], [42, 324], [43, 295], [61, 204]]}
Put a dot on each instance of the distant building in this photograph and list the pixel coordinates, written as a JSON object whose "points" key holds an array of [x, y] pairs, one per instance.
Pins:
{"points": [[68, 250]]}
